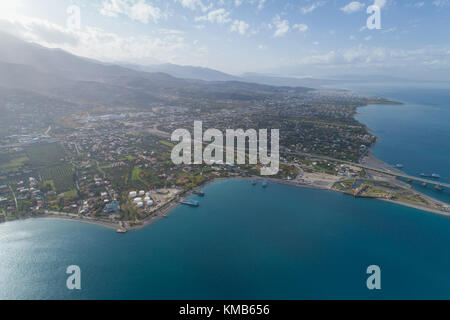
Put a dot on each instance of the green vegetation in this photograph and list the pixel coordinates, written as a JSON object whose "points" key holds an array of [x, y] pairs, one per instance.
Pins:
{"points": [[49, 185], [167, 143], [135, 175], [72, 194], [325, 167], [14, 164], [61, 178], [45, 154]]}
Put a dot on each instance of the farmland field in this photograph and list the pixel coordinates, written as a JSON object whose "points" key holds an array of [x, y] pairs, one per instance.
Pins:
{"points": [[60, 176], [13, 164], [45, 154]]}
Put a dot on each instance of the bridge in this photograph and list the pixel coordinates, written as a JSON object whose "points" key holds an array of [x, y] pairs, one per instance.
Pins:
{"points": [[382, 171]]}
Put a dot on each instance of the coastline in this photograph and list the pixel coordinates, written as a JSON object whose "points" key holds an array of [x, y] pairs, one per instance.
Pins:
{"points": [[164, 212]]}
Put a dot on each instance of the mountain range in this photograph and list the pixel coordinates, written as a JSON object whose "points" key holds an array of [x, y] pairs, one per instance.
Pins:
{"points": [[59, 74]]}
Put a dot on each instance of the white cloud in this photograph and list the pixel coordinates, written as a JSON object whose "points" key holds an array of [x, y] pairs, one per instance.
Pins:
{"points": [[38, 30], [378, 57], [194, 5], [220, 16], [164, 45], [281, 26], [137, 10], [352, 7], [380, 3], [261, 4], [440, 3], [239, 26], [312, 7], [300, 27]]}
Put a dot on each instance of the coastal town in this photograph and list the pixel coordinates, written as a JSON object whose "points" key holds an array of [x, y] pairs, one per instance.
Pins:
{"points": [[114, 168]]}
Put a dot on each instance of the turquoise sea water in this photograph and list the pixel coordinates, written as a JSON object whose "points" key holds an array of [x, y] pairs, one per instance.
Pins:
{"points": [[244, 242], [247, 242]]}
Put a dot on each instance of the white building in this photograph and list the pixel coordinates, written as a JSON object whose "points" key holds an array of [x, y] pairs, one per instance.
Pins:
{"points": [[133, 194]]}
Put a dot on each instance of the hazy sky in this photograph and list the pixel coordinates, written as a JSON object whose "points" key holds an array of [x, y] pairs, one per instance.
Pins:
{"points": [[297, 37]]}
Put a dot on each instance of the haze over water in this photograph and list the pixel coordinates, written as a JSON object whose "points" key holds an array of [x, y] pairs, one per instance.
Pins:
{"points": [[246, 242]]}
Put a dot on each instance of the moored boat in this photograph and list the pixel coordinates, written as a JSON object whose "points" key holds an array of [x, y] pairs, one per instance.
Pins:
{"points": [[433, 175], [191, 203]]}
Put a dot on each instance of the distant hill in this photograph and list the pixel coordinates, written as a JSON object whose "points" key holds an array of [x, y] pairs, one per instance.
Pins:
{"points": [[54, 61], [59, 74], [187, 72], [285, 81], [207, 74]]}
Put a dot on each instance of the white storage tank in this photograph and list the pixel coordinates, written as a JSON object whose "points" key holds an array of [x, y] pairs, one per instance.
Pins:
{"points": [[133, 194]]}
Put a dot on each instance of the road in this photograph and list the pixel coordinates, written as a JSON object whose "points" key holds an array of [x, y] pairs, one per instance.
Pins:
{"points": [[392, 173]]}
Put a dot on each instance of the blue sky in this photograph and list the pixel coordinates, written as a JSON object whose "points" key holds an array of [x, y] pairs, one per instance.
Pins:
{"points": [[291, 37]]}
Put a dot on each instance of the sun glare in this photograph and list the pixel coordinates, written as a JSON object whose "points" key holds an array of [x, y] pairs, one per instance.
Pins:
{"points": [[10, 8]]}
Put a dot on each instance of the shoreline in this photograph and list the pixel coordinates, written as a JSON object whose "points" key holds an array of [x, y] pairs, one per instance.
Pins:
{"points": [[164, 212]]}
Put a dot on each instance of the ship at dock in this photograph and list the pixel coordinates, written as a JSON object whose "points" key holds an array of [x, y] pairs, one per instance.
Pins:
{"points": [[199, 193], [191, 203], [433, 175]]}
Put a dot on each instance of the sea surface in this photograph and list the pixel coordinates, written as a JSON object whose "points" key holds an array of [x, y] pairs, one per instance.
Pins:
{"points": [[247, 242], [415, 134]]}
